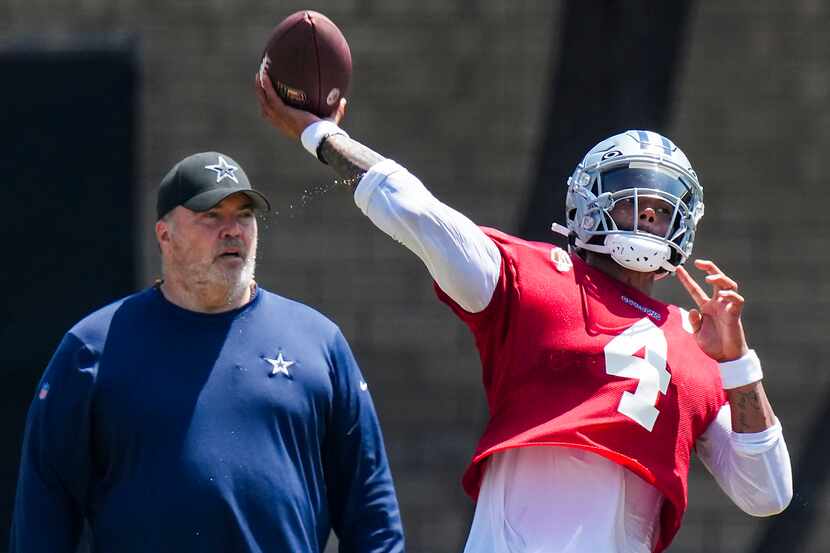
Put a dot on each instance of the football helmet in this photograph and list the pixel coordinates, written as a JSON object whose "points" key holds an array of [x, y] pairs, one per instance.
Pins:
{"points": [[628, 167]]}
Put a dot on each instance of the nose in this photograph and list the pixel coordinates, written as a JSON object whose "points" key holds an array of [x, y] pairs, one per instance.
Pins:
{"points": [[231, 228], [648, 214]]}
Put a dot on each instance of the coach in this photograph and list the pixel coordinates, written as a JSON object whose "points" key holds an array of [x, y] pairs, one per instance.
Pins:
{"points": [[204, 413]]}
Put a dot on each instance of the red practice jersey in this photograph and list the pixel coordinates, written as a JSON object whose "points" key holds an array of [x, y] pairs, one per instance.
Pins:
{"points": [[577, 359]]}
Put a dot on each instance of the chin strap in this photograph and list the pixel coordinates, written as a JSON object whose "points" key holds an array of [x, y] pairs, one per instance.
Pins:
{"points": [[577, 242], [566, 232], [559, 229], [592, 247], [664, 264]]}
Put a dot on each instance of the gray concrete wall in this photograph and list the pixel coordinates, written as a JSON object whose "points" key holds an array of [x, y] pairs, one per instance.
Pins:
{"points": [[751, 112], [454, 90]]}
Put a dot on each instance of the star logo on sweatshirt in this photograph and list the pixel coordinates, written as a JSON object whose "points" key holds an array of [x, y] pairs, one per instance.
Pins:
{"points": [[279, 365]]}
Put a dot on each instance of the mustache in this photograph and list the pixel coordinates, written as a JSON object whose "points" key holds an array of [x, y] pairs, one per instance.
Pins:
{"points": [[232, 243]]}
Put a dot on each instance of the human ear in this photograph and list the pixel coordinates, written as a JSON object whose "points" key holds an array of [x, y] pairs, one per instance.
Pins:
{"points": [[162, 231]]}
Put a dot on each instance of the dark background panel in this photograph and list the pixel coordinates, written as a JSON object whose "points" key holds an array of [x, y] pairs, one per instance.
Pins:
{"points": [[68, 143], [617, 67]]}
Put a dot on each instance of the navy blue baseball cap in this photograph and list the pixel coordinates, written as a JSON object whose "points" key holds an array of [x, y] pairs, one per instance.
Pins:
{"points": [[201, 181]]}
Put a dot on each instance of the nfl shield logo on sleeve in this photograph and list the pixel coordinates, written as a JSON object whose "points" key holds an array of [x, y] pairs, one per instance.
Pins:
{"points": [[44, 391]]}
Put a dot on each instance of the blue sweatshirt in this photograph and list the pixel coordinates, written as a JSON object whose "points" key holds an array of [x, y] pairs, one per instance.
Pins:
{"points": [[169, 430]]}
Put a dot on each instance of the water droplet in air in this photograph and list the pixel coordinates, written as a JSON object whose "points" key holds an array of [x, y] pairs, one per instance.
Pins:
{"points": [[306, 198]]}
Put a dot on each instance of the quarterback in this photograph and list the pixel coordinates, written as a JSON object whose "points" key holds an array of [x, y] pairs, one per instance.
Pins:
{"points": [[597, 392]]}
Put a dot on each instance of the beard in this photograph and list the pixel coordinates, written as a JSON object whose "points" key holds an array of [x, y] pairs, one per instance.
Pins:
{"points": [[213, 278], [233, 280]]}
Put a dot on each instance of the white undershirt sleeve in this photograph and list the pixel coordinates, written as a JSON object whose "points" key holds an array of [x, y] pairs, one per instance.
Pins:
{"points": [[460, 257], [753, 469]]}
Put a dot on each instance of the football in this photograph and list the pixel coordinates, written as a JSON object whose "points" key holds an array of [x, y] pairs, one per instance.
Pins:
{"points": [[309, 62]]}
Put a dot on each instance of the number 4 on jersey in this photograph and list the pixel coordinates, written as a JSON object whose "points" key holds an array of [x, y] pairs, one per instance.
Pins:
{"points": [[651, 371]]}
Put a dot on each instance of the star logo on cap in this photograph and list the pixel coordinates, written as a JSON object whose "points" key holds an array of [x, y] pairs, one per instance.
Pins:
{"points": [[224, 170], [279, 365]]}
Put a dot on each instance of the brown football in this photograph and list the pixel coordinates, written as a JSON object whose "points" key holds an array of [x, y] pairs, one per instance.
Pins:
{"points": [[309, 62]]}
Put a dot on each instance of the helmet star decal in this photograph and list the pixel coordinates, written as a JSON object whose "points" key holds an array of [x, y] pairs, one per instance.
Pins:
{"points": [[224, 170]]}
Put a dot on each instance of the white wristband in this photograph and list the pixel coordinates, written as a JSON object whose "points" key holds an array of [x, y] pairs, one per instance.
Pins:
{"points": [[742, 371], [314, 134]]}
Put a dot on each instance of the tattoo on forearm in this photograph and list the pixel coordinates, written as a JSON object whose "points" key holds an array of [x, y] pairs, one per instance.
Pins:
{"points": [[349, 159], [748, 410]]}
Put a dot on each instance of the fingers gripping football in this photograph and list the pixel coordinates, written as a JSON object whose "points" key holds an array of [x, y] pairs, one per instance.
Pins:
{"points": [[289, 120]]}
